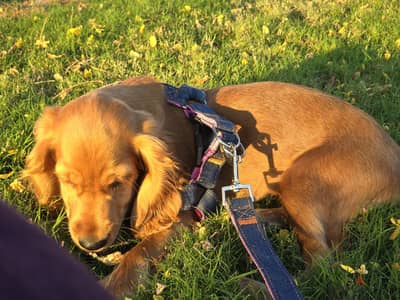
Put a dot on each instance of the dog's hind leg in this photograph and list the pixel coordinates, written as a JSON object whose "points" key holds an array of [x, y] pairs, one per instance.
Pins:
{"points": [[310, 193]]}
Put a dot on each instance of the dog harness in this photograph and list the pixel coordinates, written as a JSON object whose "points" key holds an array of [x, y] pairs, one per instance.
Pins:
{"points": [[198, 195]]}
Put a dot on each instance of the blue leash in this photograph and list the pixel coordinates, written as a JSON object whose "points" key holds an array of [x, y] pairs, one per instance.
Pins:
{"points": [[237, 198]]}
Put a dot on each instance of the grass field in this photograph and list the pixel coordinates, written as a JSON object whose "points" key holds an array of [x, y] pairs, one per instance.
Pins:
{"points": [[51, 53]]}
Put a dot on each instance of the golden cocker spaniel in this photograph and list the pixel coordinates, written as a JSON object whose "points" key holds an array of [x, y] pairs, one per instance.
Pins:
{"points": [[123, 146]]}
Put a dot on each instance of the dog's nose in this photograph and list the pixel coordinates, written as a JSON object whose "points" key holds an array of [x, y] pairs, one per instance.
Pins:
{"points": [[92, 244]]}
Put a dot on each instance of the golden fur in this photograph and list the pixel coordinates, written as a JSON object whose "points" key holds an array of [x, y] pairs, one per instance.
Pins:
{"points": [[325, 158]]}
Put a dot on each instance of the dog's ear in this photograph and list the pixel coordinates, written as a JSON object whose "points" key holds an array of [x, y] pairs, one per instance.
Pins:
{"points": [[40, 163], [158, 200]]}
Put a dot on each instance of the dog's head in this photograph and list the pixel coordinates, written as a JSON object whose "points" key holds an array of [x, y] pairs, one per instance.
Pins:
{"points": [[92, 152]]}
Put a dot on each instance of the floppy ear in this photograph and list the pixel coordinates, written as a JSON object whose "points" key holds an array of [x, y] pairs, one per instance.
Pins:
{"points": [[158, 200], [40, 163]]}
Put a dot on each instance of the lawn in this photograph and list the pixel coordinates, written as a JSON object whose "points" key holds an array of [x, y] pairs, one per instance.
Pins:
{"points": [[52, 52]]}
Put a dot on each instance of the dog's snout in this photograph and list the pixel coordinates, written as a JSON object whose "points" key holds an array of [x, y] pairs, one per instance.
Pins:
{"points": [[92, 244]]}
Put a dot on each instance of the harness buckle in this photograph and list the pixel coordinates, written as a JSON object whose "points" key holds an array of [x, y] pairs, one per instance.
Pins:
{"points": [[236, 186]]}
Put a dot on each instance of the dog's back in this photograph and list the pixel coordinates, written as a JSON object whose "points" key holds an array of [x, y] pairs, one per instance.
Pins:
{"points": [[324, 157]]}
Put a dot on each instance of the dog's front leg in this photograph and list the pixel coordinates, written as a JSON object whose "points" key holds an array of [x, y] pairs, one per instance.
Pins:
{"points": [[135, 265]]}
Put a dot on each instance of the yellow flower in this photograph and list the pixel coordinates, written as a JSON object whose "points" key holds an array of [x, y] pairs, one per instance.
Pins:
{"points": [[41, 43], [396, 231], [53, 56], [17, 186], [138, 19], [347, 269], [141, 28], [195, 48], [90, 39], [18, 43], [387, 55], [202, 232], [342, 31], [177, 47], [7, 175], [187, 8], [95, 26], [87, 73], [265, 30], [58, 77], [397, 42], [134, 54], [167, 274], [153, 41], [362, 270], [395, 266], [13, 71], [75, 30], [220, 19]]}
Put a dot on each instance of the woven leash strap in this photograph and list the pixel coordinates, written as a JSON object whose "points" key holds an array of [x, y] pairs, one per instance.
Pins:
{"points": [[277, 279]]}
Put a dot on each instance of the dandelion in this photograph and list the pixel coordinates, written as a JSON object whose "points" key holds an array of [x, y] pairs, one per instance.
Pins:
{"points": [[195, 48], [17, 186], [74, 30], [133, 54], [53, 56], [18, 43], [244, 60], [41, 43], [397, 43], [141, 29], [265, 30], [167, 274], [202, 232], [220, 19], [153, 41], [178, 47], [187, 8], [12, 152], [160, 288], [138, 19], [396, 231], [58, 77], [87, 73], [98, 28], [396, 266], [362, 270], [387, 55], [6, 175], [13, 71], [90, 39]]}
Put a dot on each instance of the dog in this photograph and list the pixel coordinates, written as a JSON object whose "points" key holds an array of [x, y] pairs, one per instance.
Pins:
{"points": [[122, 149]]}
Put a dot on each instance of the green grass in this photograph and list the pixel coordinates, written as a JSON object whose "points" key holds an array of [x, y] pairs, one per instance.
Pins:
{"points": [[347, 48]]}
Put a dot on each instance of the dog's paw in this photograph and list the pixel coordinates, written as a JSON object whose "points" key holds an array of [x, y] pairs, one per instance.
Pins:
{"points": [[125, 279]]}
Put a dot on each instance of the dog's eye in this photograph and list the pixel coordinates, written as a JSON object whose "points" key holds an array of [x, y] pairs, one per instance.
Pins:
{"points": [[115, 185]]}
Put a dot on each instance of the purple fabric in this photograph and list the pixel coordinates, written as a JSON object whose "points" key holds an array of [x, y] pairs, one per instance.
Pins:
{"points": [[33, 266]]}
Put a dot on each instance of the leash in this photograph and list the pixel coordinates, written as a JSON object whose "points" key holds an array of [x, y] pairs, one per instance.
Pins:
{"points": [[237, 198]]}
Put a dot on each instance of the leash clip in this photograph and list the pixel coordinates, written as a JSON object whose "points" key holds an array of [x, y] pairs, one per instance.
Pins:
{"points": [[236, 186]]}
